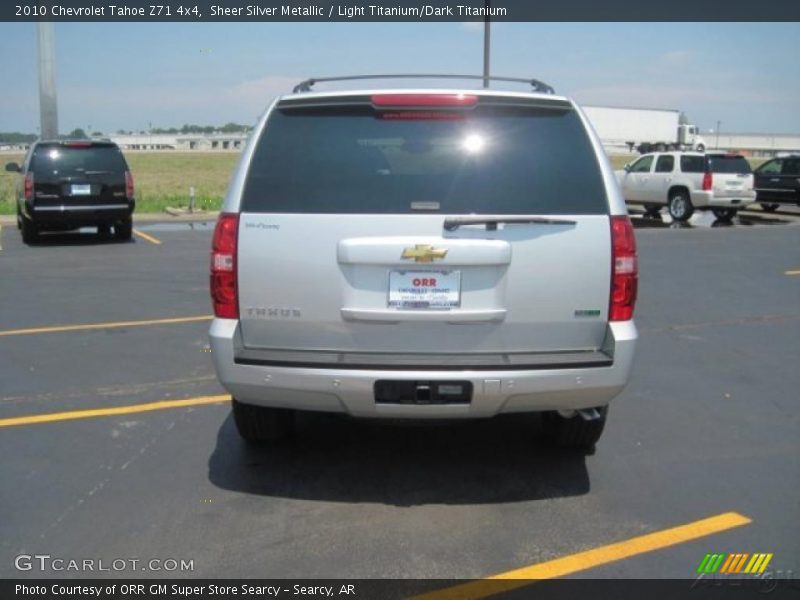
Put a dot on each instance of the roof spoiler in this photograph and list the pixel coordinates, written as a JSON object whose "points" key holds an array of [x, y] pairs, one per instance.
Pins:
{"points": [[538, 86]]}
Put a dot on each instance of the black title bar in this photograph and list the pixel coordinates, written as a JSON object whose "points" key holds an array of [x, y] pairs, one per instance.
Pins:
{"points": [[395, 10]]}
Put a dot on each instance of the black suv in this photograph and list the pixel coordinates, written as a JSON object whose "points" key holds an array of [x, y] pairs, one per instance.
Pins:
{"points": [[777, 182], [74, 183]]}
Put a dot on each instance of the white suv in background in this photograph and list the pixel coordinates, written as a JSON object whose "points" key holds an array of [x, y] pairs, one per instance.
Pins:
{"points": [[685, 181], [427, 254]]}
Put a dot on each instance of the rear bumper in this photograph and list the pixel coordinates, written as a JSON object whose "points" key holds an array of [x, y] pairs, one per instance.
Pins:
{"points": [[710, 200], [495, 391], [77, 215]]}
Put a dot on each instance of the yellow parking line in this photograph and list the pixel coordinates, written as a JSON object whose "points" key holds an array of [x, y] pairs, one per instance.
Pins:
{"points": [[792, 272], [87, 326], [117, 410], [510, 580], [147, 237]]}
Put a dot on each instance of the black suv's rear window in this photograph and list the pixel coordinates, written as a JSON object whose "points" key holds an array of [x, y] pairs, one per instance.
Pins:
{"points": [[493, 160], [718, 163], [58, 159]]}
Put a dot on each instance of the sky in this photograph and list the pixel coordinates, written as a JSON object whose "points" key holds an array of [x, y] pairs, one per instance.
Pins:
{"points": [[130, 76]]}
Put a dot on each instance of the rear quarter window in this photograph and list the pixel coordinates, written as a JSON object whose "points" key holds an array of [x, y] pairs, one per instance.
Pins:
{"points": [[491, 160], [693, 164]]}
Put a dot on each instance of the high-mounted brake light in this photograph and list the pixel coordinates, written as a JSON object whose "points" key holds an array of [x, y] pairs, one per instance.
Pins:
{"points": [[423, 100], [223, 283], [128, 185], [624, 270], [29, 186], [77, 144], [708, 181]]}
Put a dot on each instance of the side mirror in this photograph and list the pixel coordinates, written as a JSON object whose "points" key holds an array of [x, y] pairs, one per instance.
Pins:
{"points": [[627, 168], [13, 167]]}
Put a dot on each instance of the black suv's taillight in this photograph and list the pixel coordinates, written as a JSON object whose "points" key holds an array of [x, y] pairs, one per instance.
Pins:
{"points": [[128, 185], [29, 186]]}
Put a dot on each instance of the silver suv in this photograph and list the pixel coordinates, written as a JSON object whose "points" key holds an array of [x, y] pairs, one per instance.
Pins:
{"points": [[684, 181], [426, 254]]}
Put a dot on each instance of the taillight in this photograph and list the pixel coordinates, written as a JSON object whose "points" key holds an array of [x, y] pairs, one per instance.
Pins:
{"points": [[624, 270], [424, 100], [708, 181], [29, 186], [128, 184], [224, 293]]}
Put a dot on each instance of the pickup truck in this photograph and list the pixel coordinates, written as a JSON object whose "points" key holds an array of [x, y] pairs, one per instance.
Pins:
{"points": [[686, 181]]}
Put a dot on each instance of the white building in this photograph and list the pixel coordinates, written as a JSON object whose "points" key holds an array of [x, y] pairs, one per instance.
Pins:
{"points": [[180, 141]]}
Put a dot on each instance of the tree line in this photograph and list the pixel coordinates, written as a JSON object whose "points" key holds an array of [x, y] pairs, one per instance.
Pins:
{"points": [[15, 137]]}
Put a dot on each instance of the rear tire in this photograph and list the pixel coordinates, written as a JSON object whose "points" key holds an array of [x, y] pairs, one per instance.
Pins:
{"points": [[724, 214], [123, 230], [680, 206], [769, 207], [574, 432], [30, 232], [262, 424]]}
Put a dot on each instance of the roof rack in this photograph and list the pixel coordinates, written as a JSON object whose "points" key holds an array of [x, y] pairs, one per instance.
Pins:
{"points": [[538, 86]]}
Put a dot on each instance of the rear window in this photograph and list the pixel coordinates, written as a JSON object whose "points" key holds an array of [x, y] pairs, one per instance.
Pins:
{"points": [[65, 160], [727, 164], [490, 160]]}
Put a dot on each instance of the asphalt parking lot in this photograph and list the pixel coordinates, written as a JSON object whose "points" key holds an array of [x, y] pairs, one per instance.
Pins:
{"points": [[117, 441]]}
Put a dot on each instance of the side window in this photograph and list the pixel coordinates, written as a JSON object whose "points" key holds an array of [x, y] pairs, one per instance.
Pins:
{"points": [[642, 165], [773, 167], [665, 163], [693, 164], [791, 166]]}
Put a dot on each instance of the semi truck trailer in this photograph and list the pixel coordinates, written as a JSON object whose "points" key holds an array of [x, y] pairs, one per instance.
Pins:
{"points": [[643, 129]]}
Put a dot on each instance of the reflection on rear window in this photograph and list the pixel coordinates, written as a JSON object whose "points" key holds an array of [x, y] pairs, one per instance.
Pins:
{"points": [[62, 160], [494, 160]]}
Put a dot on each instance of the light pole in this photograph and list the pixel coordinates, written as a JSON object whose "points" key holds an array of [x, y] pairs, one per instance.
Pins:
{"points": [[486, 44], [716, 145], [48, 106]]}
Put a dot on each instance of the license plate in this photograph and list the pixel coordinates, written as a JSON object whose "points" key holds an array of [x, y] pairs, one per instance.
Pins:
{"points": [[437, 290], [81, 190]]}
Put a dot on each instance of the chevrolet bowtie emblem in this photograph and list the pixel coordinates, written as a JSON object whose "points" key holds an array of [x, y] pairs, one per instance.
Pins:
{"points": [[424, 253]]}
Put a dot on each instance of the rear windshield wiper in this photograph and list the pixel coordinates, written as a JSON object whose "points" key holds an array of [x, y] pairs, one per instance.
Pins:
{"points": [[453, 223]]}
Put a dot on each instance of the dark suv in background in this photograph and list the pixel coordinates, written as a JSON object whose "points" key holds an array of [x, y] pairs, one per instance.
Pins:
{"points": [[69, 184], [777, 182]]}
